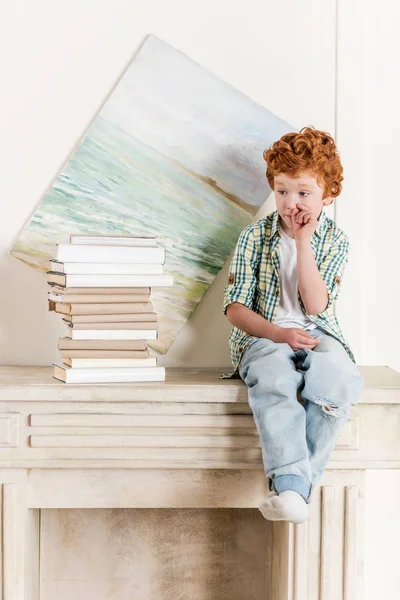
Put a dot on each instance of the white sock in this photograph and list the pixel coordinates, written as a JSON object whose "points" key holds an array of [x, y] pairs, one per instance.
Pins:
{"points": [[287, 506]]}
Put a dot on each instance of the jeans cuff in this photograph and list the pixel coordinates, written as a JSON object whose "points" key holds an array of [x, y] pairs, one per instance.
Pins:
{"points": [[296, 483]]}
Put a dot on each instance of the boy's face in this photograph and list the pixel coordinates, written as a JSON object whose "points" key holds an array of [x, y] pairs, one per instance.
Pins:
{"points": [[290, 191]]}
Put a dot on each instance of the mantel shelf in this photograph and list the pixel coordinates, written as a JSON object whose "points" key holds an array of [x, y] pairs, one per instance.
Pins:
{"points": [[382, 386]]}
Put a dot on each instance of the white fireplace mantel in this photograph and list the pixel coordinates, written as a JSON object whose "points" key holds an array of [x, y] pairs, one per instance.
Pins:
{"points": [[187, 443]]}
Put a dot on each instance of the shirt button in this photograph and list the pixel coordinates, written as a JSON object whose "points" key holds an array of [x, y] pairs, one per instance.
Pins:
{"points": [[277, 292], [241, 349]]}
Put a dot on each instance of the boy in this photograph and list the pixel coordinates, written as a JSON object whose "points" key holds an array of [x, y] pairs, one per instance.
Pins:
{"points": [[284, 278]]}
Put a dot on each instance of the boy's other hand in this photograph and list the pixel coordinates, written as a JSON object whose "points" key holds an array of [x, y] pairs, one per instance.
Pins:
{"points": [[297, 338]]}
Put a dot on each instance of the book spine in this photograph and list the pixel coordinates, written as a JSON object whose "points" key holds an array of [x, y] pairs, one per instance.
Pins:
{"points": [[100, 298], [101, 309], [66, 343], [57, 289], [113, 334], [103, 363], [115, 326], [120, 318], [117, 280], [93, 354], [109, 254], [78, 268], [121, 375]]}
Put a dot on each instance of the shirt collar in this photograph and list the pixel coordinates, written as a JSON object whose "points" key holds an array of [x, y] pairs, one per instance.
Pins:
{"points": [[322, 222]]}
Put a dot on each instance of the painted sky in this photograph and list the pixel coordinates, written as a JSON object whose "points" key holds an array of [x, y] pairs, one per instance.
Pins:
{"points": [[207, 125]]}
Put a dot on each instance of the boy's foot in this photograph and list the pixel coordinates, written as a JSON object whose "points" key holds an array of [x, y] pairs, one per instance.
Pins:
{"points": [[287, 506]]}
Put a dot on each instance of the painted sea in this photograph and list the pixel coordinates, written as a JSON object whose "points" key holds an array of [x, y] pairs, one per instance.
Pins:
{"points": [[137, 191], [176, 153]]}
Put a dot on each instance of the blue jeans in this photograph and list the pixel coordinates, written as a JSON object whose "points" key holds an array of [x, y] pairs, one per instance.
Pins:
{"points": [[297, 440]]}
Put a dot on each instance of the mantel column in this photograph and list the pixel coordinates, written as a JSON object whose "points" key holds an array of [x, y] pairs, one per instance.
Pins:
{"points": [[322, 559], [13, 503]]}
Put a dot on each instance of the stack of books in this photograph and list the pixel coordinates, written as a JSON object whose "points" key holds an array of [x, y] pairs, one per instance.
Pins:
{"points": [[101, 286]]}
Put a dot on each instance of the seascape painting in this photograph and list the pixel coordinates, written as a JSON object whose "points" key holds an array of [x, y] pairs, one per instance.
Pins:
{"points": [[174, 153]]}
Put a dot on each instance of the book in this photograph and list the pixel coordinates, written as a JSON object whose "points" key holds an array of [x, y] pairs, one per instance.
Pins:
{"points": [[138, 354], [110, 240], [78, 268], [110, 254], [108, 375], [110, 280], [101, 309], [96, 363], [66, 343], [58, 289], [112, 334], [114, 326], [98, 298], [152, 316]]}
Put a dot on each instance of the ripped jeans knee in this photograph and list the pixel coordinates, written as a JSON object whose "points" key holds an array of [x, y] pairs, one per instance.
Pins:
{"points": [[329, 408]]}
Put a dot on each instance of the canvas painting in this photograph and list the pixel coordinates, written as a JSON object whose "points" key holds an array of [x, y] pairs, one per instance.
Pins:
{"points": [[174, 152]]}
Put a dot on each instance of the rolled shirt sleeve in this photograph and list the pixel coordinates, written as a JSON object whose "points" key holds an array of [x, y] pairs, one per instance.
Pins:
{"points": [[242, 279], [332, 268]]}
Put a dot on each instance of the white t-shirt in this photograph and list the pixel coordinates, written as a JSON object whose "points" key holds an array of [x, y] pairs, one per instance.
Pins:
{"points": [[289, 311]]}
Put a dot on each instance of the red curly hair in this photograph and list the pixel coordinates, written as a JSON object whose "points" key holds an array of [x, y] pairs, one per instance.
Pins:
{"points": [[307, 150]]}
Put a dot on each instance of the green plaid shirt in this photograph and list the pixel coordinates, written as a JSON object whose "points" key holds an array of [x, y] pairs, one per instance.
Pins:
{"points": [[254, 276]]}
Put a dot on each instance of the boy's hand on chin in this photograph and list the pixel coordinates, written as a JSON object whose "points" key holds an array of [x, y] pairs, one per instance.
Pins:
{"points": [[304, 223]]}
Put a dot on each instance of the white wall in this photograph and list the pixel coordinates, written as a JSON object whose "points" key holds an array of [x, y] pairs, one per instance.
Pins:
{"points": [[382, 97], [60, 60], [382, 101], [329, 64]]}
